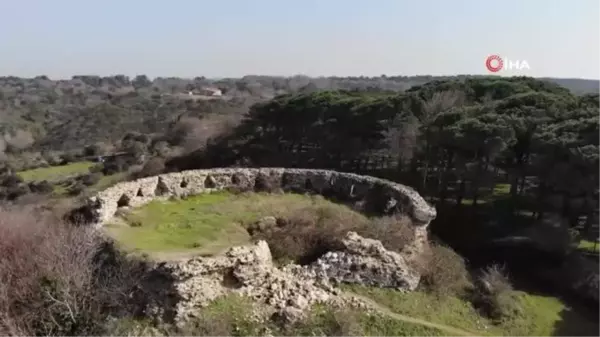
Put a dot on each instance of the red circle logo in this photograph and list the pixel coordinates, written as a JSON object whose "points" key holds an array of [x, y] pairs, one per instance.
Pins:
{"points": [[489, 63]]}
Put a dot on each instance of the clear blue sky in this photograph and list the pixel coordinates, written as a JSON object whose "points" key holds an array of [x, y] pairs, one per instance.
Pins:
{"points": [[60, 38]]}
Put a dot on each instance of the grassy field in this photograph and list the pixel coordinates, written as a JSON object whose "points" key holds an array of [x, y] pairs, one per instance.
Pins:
{"points": [[589, 246], [434, 316], [55, 173], [228, 316], [204, 224], [61, 190], [537, 315]]}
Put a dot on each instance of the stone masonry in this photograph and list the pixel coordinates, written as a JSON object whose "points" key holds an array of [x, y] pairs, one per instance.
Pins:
{"points": [[381, 195], [249, 270]]}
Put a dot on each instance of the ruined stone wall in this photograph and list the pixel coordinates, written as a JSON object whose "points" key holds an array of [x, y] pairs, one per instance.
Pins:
{"points": [[364, 193], [378, 195], [293, 288]]}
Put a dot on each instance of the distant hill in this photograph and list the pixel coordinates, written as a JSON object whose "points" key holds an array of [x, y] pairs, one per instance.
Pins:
{"points": [[69, 114], [577, 85]]}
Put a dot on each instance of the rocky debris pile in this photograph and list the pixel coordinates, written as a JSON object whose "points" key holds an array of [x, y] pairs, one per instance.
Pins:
{"points": [[287, 291], [366, 261], [245, 270]]}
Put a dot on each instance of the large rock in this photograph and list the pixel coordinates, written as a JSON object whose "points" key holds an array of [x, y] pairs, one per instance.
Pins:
{"points": [[365, 261]]}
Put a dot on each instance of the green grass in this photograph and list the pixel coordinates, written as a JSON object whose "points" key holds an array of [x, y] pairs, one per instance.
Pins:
{"points": [[230, 316], [448, 310], [55, 173], [61, 190], [324, 321], [500, 191], [205, 223], [589, 246], [108, 181], [537, 315]]}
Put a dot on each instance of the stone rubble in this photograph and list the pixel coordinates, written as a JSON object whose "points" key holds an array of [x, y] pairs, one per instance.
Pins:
{"points": [[290, 290], [366, 261]]}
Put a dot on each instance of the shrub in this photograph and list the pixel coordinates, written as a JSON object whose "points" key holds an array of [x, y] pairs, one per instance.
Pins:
{"points": [[303, 235], [10, 181], [68, 158], [76, 188], [494, 295], [394, 232], [42, 187], [444, 272], [57, 279], [117, 164], [154, 166], [306, 234], [265, 183], [96, 168], [90, 179], [15, 192]]}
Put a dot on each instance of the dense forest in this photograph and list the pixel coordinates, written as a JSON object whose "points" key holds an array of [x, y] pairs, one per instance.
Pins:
{"points": [[65, 115], [501, 158]]}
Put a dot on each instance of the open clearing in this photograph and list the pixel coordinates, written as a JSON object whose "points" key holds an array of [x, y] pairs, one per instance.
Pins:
{"points": [[55, 173], [206, 224]]}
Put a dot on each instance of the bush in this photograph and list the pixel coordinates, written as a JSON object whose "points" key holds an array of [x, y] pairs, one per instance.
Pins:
{"points": [[10, 181], [444, 272], [56, 279], [91, 179], [305, 234], [265, 183], [14, 193], [68, 158], [76, 188], [117, 164], [394, 232], [154, 166], [494, 295], [96, 168], [42, 187]]}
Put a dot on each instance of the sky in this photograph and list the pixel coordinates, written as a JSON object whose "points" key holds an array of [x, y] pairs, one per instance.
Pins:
{"points": [[233, 38]]}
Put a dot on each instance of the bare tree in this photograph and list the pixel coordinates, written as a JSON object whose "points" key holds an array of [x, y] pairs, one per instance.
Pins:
{"points": [[53, 280], [193, 133], [22, 139]]}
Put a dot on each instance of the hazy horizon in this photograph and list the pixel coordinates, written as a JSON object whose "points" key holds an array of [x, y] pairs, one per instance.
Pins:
{"points": [[63, 38]]}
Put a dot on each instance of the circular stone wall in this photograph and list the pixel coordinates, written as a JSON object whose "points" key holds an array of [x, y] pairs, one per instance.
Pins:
{"points": [[364, 193]]}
